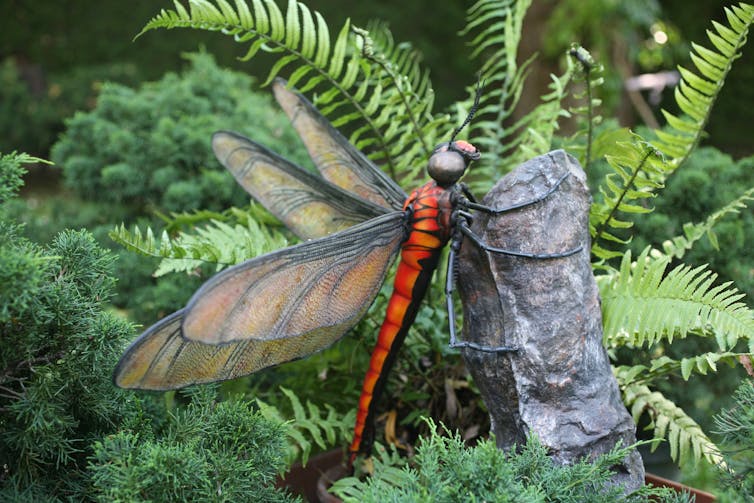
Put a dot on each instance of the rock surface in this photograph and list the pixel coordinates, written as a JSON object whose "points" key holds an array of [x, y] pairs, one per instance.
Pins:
{"points": [[559, 384]]}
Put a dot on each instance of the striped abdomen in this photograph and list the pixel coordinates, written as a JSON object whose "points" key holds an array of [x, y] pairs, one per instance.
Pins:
{"points": [[430, 209]]}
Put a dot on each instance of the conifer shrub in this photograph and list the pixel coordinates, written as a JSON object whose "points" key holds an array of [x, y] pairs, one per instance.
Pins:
{"points": [[736, 425], [58, 348], [206, 452], [66, 432], [445, 469], [148, 148]]}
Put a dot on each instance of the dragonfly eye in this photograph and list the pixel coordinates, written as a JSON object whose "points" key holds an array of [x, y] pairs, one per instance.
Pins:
{"points": [[446, 167], [449, 161]]}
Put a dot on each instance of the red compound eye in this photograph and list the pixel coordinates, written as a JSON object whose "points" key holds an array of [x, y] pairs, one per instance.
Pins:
{"points": [[465, 146]]}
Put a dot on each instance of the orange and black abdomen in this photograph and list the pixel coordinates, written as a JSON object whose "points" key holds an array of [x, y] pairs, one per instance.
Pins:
{"points": [[429, 231]]}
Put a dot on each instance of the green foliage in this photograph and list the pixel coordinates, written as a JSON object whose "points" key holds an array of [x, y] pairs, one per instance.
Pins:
{"points": [[12, 172], [725, 228], [57, 352], [309, 426], [206, 451], [363, 75], [149, 149], [676, 302], [220, 243], [696, 94], [23, 265], [736, 425], [448, 470], [58, 346], [590, 73], [688, 443], [35, 105], [637, 171]]}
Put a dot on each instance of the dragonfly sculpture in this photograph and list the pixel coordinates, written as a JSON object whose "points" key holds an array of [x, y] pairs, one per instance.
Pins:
{"points": [[293, 302]]}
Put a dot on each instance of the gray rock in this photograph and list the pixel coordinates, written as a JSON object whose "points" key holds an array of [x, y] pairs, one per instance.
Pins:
{"points": [[559, 384]]}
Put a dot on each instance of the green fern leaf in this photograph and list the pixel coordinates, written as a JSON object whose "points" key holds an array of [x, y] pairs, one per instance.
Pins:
{"points": [[310, 425], [688, 443], [678, 245], [495, 27], [377, 79], [662, 366], [644, 304], [696, 94], [637, 174], [219, 243]]}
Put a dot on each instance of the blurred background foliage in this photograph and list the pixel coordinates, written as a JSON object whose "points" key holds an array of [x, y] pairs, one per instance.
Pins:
{"points": [[143, 147], [63, 51]]}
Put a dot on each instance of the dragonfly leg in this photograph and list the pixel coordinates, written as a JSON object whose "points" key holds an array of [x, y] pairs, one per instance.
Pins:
{"points": [[449, 289], [467, 193], [484, 246], [497, 211]]}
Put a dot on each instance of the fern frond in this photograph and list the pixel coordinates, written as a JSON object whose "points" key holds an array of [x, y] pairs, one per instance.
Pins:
{"points": [[309, 426], [695, 96], [664, 365], [365, 77], [495, 28], [678, 245], [637, 171], [643, 304], [696, 93], [404, 102], [687, 441], [217, 243]]}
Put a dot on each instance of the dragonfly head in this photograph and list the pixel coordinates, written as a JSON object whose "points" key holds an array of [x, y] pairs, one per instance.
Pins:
{"points": [[449, 161]]}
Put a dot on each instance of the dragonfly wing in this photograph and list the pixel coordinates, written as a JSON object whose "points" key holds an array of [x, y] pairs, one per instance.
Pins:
{"points": [[307, 204], [161, 359], [335, 157], [269, 310]]}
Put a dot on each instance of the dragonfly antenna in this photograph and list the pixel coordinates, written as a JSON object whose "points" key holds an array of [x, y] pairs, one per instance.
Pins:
{"points": [[473, 110]]}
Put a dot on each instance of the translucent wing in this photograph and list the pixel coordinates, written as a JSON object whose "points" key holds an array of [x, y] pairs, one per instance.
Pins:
{"points": [[307, 204], [269, 310], [339, 162]]}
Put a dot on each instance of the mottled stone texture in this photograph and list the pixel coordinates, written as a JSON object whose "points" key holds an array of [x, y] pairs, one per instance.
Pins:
{"points": [[559, 384]]}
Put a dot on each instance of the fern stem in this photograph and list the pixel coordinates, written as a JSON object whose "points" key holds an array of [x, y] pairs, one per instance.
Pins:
{"points": [[233, 29], [603, 225], [589, 117], [380, 61]]}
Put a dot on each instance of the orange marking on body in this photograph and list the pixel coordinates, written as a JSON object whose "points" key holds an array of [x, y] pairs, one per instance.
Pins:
{"points": [[405, 278], [396, 311], [427, 225], [423, 240], [413, 258]]}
